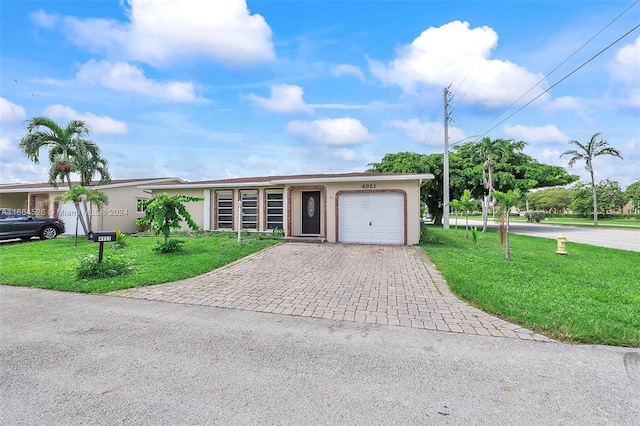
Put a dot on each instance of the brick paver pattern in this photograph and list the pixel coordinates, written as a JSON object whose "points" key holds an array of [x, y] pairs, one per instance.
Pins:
{"points": [[392, 285]]}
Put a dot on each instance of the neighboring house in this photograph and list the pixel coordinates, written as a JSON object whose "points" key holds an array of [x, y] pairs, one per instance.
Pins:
{"points": [[349, 207], [42, 200]]}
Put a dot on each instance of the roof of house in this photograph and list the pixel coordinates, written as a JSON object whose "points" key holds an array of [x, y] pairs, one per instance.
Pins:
{"points": [[288, 179], [22, 187]]}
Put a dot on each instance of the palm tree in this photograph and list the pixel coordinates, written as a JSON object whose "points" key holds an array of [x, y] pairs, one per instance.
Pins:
{"points": [[587, 153], [489, 152], [506, 201], [69, 152]]}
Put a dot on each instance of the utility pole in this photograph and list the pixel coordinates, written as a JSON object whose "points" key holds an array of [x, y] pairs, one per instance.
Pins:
{"points": [[445, 183]]}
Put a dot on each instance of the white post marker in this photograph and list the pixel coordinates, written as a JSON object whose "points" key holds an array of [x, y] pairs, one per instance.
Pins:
{"points": [[239, 221]]}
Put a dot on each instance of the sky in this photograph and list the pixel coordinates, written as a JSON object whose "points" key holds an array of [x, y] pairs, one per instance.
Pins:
{"points": [[206, 90]]}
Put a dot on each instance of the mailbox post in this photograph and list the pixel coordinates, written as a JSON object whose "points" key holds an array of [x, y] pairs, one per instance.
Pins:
{"points": [[101, 237]]}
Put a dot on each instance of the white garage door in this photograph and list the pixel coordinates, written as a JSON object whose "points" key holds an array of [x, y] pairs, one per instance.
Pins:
{"points": [[67, 214], [374, 218]]}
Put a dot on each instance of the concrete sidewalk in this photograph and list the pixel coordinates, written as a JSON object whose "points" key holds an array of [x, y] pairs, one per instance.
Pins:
{"points": [[77, 359], [390, 285]]}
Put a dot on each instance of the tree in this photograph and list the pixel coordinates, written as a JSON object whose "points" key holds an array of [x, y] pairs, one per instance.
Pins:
{"points": [[79, 194], [69, 152], [489, 152], [517, 170], [467, 205], [633, 192], [549, 200], [163, 213], [588, 153], [505, 202]]}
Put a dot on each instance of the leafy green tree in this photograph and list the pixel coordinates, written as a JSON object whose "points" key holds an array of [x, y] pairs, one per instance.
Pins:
{"points": [[549, 200], [633, 192], [67, 146], [587, 153], [517, 170], [611, 196], [466, 204], [506, 201], [164, 213], [608, 192]]}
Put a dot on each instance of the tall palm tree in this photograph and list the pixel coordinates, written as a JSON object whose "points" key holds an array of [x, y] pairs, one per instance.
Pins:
{"points": [[68, 146], [587, 153], [489, 152]]}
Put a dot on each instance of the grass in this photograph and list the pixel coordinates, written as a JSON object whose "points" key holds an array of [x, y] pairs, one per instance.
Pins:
{"points": [[591, 295], [52, 264]]}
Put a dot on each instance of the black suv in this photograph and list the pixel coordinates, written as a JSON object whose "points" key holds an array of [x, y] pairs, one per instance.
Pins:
{"points": [[15, 223]]}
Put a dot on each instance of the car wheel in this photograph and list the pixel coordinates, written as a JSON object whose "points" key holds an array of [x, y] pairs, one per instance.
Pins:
{"points": [[48, 232]]}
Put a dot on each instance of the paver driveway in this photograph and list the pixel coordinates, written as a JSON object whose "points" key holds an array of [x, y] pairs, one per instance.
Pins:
{"points": [[393, 285]]}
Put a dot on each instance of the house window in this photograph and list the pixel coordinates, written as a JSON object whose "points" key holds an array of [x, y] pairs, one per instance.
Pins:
{"points": [[139, 208], [249, 210], [224, 210], [274, 210]]}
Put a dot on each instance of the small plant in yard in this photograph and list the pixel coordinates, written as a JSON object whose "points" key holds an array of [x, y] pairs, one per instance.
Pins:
{"points": [[474, 236], [111, 266], [534, 216], [170, 246], [163, 212], [120, 241]]}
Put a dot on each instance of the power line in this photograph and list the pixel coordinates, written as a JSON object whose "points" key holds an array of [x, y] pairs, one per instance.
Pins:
{"points": [[563, 78], [555, 69]]}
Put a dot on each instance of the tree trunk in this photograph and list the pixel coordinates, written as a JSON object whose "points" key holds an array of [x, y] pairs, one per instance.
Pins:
{"points": [[508, 248], [466, 225], [595, 202], [77, 205]]}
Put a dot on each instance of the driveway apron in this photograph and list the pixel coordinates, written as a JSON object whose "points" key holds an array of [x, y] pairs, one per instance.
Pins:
{"points": [[392, 285]]}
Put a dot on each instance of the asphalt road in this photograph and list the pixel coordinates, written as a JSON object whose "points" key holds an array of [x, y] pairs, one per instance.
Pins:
{"points": [[76, 359], [623, 239]]}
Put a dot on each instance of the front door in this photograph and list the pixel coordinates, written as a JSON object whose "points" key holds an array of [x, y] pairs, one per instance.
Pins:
{"points": [[311, 213]]}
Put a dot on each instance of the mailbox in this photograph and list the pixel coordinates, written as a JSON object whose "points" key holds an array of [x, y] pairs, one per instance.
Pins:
{"points": [[101, 236]]}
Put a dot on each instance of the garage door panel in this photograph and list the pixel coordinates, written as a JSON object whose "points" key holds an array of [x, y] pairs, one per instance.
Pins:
{"points": [[372, 218]]}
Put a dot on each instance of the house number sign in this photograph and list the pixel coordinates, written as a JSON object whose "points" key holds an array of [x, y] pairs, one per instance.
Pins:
{"points": [[368, 186]]}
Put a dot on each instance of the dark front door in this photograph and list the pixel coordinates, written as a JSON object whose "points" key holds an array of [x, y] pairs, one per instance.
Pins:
{"points": [[311, 213]]}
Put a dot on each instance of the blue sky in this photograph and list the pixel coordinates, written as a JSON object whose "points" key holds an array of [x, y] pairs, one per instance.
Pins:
{"points": [[205, 90]]}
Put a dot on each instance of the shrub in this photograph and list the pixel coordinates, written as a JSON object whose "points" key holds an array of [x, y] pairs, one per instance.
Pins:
{"points": [[120, 242], [111, 266], [170, 246], [534, 216]]}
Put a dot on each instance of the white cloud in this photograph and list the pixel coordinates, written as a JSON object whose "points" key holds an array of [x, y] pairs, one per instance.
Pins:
{"points": [[331, 131], [455, 54], [345, 154], [347, 69], [127, 78], [542, 134], [427, 133], [284, 98], [627, 62], [625, 71], [98, 124], [160, 32], [10, 113], [9, 149]]}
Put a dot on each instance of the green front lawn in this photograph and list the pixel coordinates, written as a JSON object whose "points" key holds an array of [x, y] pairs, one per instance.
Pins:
{"points": [[591, 295], [52, 264]]}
